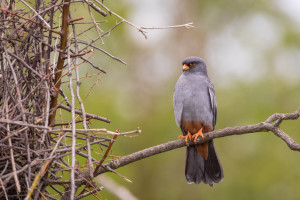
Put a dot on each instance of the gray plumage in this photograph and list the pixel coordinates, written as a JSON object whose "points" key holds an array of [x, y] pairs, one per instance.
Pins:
{"points": [[194, 100]]}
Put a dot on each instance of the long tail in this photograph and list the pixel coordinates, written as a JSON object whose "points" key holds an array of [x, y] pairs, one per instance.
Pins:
{"points": [[198, 169]]}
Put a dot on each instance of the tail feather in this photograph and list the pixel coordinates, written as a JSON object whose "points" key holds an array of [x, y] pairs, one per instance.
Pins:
{"points": [[194, 166], [198, 169]]}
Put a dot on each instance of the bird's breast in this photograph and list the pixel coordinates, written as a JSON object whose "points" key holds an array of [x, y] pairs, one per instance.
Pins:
{"points": [[196, 106]]}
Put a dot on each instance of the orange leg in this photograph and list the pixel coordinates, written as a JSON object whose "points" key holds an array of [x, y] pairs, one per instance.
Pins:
{"points": [[186, 138], [195, 136]]}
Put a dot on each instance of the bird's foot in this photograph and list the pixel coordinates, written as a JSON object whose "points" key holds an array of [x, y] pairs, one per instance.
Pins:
{"points": [[195, 136], [186, 138]]}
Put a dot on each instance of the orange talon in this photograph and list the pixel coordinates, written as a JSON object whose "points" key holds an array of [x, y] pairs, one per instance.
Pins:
{"points": [[186, 138], [197, 135]]}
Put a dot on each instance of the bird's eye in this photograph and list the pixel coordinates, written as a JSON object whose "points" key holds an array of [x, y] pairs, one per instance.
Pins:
{"points": [[192, 64]]}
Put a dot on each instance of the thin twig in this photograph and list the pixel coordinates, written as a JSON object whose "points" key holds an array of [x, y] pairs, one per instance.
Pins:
{"points": [[87, 114], [103, 51], [4, 189], [123, 19], [22, 124], [13, 164], [73, 126], [25, 64], [39, 16], [78, 83], [96, 8], [101, 131], [89, 193], [95, 24], [187, 25], [105, 155]]}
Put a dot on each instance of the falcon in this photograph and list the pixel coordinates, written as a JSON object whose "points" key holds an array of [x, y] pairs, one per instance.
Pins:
{"points": [[195, 111]]}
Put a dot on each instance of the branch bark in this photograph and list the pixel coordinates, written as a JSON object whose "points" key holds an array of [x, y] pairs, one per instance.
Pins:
{"points": [[60, 61]]}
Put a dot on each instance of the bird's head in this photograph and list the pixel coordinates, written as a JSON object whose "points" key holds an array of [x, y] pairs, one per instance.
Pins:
{"points": [[194, 64]]}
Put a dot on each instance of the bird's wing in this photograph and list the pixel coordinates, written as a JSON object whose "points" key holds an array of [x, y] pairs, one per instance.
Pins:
{"points": [[213, 102], [178, 103]]}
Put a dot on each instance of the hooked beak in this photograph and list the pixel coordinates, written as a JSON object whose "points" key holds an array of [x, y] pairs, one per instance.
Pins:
{"points": [[185, 67]]}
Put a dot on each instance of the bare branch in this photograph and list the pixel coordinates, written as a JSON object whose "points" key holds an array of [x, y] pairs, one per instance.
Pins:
{"points": [[39, 16], [60, 62], [87, 114], [4, 189], [89, 193], [187, 25], [73, 126], [265, 126], [96, 26], [96, 8], [115, 188]]}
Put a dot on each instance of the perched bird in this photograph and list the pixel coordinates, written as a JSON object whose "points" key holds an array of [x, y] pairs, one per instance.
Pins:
{"points": [[195, 111]]}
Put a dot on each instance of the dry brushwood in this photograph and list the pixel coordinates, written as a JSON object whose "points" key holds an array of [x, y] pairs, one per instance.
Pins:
{"points": [[42, 46]]}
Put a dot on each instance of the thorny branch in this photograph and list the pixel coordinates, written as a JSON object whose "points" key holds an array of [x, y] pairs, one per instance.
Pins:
{"points": [[43, 134], [60, 62]]}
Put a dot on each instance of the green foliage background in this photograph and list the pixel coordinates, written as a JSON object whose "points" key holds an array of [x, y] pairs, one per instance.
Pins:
{"points": [[256, 166]]}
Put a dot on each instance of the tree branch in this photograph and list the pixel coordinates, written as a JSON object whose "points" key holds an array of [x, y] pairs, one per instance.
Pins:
{"points": [[271, 124], [265, 126], [86, 114], [60, 61]]}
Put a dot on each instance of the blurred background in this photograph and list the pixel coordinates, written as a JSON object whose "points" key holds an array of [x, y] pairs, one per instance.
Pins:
{"points": [[252, 52]]}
